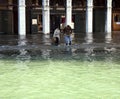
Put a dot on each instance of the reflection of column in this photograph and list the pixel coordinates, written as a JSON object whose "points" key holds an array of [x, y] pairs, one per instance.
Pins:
{"points": [[89, 16], [46, 39], [21, 17], [22, 40], [89, 53], [109, 16], [108, 37], [23, 52], [46, 16], [68, 12], [23, 57], [89, 38], [110, 55], [46, 53]]}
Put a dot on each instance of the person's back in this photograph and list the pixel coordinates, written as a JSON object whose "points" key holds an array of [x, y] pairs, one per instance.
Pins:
{"points": [[56, 33], [67, 30], [67, 35], [56, 36]]}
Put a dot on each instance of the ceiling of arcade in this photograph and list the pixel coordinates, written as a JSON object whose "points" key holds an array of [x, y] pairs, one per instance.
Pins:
{"points": [[61, 3], [75, 3]]}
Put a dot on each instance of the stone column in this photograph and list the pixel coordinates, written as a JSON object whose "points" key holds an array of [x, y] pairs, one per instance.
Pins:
{"points": [[89, 16], [46, 16], [21, 17], [109, 16], [68, 12]]}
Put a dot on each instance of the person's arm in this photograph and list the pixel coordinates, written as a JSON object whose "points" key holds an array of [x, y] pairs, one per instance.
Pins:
{"points": [[70, 30], [54, 33], [64, 30]]}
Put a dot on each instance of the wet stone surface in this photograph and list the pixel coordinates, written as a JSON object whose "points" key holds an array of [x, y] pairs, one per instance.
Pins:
{"points": [[39, 45]]}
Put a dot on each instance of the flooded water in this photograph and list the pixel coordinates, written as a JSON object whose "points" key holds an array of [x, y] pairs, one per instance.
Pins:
{"points": [[32, 68]]}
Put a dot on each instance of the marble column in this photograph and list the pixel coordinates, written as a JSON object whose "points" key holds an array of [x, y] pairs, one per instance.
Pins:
{"points": [[46, 16], [109, 17], [21, 17], [68, 12], [89, 16]]}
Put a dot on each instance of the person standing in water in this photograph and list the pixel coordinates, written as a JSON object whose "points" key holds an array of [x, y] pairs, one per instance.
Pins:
{"points": [[67, 31], [56, 36]]}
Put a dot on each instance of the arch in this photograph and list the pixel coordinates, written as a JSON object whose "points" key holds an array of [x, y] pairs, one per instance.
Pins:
{"points": [[60, 3], [78, 3], [100, 3]]}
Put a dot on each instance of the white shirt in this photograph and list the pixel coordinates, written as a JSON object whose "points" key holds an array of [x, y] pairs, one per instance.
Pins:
{"points": [[56, 33]]}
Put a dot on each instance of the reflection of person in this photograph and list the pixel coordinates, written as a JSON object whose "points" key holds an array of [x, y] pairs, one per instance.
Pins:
{"points": [[56, 36], [67, 31]]}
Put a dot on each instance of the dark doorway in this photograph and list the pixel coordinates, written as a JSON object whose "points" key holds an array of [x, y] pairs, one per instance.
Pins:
{"points": [[54, 22], [15, 16]]}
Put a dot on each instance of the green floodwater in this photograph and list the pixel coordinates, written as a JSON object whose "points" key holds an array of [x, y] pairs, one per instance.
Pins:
{"points": [[59, 79]]}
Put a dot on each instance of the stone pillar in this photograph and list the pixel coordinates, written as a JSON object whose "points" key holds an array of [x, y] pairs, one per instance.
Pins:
{"points": [[89, 16], [68, 12], [21, 17], [109, 16], [46, 16]]}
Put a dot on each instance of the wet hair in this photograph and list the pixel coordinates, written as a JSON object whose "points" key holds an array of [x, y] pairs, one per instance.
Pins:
{"points": [[68, 26]]}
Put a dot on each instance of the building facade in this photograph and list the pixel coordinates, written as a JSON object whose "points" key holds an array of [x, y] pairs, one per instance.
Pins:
{"points": [[43, 16]]}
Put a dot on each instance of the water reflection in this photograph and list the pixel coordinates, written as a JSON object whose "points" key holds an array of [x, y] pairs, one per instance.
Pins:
{"points": [[89, 53], [110, 49], [45, 53], [30, 47], [89, 38], [110, 56], [1, 56], [108, 38], [22, 40], [46, 39], [23, 57]]}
